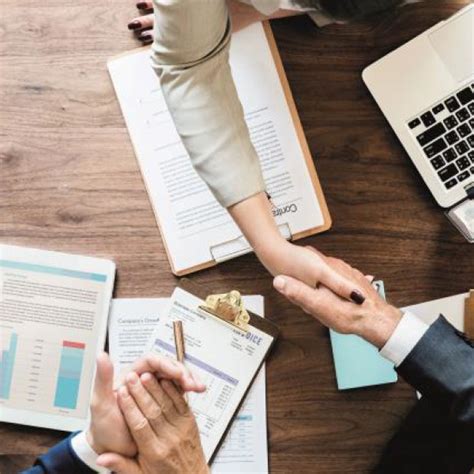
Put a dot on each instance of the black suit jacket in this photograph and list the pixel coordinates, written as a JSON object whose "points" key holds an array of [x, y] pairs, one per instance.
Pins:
{"points": [[438, 434]]}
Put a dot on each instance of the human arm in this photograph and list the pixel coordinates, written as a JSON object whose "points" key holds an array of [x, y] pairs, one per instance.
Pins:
{"points": [[241, 15], [108, 430], [419, 350]]}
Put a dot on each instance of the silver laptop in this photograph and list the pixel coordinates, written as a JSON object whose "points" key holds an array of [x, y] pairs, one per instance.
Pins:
{"points": [[425, 89]]}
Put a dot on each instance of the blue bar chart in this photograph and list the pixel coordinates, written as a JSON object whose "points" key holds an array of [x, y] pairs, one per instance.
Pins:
{"points": [[7, 361], [69, 376]]}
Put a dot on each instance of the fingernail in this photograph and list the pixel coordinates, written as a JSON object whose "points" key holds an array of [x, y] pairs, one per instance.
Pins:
{"points": [[134, 25], [145, 38], [132, 378], [279, 283], [357, 297], [142, 6]]}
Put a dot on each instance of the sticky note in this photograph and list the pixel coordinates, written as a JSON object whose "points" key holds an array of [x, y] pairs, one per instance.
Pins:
{"points": [[357, 362]]}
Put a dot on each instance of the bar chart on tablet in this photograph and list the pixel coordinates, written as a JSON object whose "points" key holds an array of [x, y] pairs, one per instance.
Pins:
{"points": [[42, 373], [7, 362]]}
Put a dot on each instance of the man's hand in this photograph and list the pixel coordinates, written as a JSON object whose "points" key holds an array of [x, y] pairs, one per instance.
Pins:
{"points": [[374, 320], [163, 427], [108, 430]]}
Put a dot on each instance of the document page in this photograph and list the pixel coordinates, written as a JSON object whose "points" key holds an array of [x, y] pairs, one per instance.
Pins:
{"points": [[191, 220], [53, 322], [244, 450]]}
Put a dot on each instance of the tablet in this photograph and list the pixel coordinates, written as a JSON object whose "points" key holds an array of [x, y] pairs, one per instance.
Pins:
{"points": [[53, 323]]}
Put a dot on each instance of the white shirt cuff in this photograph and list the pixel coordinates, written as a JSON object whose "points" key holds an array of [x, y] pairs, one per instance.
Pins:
{"points": [[85, 453], [406, 336]]}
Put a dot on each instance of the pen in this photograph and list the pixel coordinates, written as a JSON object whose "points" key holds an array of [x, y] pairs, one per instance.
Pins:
{"points": [[179, 344]]}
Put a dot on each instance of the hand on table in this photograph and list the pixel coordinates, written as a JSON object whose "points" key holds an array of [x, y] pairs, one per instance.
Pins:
{"points": [[374, 320], [241, 15], [108, 430], [161, 425]]}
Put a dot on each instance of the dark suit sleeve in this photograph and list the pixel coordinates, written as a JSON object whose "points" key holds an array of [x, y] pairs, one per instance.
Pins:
{"points": [[441, 367], [60, 459], [438, 434]]}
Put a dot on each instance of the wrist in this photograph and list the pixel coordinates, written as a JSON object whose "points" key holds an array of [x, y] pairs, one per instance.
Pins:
{"points": [[94, 445], [379, 325]]}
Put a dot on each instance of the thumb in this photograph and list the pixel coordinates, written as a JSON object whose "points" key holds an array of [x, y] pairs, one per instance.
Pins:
{"points": [[298, 293], [104, 378], [118, 464], [341, 285]]}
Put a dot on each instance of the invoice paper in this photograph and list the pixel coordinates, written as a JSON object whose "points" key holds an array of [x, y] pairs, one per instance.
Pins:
{"points": [[193, 224], [53, 322], [244, 450]]}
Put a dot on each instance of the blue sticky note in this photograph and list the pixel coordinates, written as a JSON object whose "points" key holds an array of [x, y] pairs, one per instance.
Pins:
{"points": [[357, 362]]}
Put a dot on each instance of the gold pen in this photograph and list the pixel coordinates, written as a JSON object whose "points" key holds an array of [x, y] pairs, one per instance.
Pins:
{"points": [[179, 344]]}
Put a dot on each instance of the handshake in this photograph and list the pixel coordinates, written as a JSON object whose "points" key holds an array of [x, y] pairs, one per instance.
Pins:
{"points": [[146, 426]]}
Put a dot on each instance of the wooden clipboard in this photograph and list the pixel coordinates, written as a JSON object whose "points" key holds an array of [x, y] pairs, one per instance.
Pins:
{"points": [[327, 222], [256, 321]]}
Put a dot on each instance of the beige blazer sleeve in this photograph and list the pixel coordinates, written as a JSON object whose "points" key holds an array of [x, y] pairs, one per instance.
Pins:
{"points": [[190, 55]]}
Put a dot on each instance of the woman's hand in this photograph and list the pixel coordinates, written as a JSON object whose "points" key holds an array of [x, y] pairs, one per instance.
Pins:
{"points": [[241, 15], [375, 320], [162, 426]]}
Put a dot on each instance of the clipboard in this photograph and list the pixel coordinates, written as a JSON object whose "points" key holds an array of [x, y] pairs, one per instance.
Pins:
{"points": [[238, 246], [196, 360]]}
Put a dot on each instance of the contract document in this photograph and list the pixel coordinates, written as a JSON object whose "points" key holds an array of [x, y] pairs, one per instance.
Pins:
{"points": [[244, 450], [196, 230]]}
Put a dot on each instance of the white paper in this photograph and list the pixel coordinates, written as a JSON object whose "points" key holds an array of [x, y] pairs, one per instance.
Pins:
{"points": [[244, 450], [53, 321], [451, 307], [191, 220]]}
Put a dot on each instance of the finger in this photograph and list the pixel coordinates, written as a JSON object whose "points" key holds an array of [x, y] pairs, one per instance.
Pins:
{"points": [[167, 368], [341, 285], [317, 252], [145, 402], [370, 278], [118, 464], [177, 398], [138, 425], [160, 396], [146, 37], [145, 5], [142, 22], [297, 292], [104, 377]]}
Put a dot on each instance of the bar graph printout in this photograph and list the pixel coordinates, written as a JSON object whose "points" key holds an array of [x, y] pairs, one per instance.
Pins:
{"points": [[53, 320]]}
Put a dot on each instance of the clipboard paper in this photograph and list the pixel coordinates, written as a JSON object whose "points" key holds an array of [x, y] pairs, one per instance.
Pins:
{"points": [[225, 358]]}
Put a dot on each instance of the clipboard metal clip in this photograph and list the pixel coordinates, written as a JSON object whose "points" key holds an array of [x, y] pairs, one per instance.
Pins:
{"points": [[228, 307]]}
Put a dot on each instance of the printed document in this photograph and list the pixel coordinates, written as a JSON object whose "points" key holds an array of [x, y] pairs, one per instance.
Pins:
{"points": [[53, 323], [244, 450], [195, 228]]}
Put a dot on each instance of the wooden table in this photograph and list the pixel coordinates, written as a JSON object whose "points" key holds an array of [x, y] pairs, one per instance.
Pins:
{"points": [[69, 182]]}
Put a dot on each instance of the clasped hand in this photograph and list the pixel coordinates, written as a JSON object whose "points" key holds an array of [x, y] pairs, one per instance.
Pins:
{"points": [[146, 426]]}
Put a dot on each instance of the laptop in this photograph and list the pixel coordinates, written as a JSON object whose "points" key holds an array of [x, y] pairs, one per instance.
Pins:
{"points": [[425, 89]]}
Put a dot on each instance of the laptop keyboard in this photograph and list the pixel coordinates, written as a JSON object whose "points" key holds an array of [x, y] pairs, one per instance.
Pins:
{"points": [[445, 132]]}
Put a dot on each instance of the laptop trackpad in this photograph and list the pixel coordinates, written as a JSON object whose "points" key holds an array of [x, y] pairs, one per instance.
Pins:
{"points": [[454, 44]]}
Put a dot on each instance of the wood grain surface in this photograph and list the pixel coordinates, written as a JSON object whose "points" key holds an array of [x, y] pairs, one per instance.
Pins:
{"points": [[69, 182]]}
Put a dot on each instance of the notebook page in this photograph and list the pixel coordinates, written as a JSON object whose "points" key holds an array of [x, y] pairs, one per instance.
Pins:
{"points": [[191, 219], [244, 449]]}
